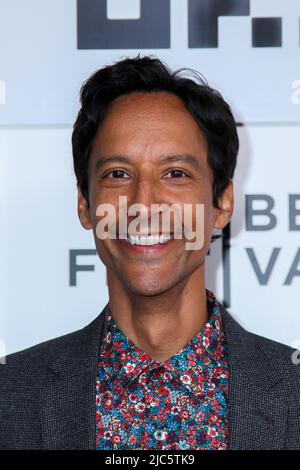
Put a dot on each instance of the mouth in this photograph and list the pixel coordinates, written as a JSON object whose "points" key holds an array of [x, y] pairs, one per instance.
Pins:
{"points": [[147, 243]]}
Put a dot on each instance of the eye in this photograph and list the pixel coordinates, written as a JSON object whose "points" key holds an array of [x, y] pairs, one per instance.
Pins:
{"points": [[118, 174], [178, 173]]}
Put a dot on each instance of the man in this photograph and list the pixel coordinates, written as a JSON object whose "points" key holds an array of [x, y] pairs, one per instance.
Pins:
{"points": [[164, 365]]}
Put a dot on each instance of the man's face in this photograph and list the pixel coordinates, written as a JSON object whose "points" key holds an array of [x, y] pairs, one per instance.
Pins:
{"points": [[145, 128]]}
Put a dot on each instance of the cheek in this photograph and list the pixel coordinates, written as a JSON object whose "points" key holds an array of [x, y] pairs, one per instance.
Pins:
{"points": [[104, 251], [198, 214]]}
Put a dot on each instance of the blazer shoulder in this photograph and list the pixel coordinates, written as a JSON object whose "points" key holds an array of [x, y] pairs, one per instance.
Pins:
{"points": [[37, 355], [41, 354], [22, 376], [285, 359], [271, 346], [260, 354]]}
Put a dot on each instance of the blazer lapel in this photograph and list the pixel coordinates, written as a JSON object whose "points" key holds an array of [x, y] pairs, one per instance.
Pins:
{"points": [[68, 406], [257, 412]]}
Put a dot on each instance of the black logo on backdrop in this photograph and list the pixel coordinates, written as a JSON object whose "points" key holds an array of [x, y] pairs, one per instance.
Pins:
{"points": [[153, 30], [96, 31]]}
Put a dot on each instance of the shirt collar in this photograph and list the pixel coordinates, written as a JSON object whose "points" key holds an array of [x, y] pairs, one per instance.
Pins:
{"points": [[128, 362]]}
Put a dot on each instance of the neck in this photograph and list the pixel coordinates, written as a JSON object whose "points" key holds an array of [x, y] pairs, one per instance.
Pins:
{"points": [[160, 324]]}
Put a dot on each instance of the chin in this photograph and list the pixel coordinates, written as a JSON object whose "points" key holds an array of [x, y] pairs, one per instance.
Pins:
{"points": [[147, 288]]}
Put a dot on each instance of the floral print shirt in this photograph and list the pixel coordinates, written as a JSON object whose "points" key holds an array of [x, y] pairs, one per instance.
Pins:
{"points": [[180, 403]]}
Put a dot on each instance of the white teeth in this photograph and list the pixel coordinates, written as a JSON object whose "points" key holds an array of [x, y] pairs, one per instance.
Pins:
{"points": [[148, 240]]}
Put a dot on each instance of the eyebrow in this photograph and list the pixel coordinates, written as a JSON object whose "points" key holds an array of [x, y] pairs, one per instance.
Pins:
{"points": [[190, 159]]}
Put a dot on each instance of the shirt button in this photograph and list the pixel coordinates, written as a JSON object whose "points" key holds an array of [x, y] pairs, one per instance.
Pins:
{"points": [[160, 435]]}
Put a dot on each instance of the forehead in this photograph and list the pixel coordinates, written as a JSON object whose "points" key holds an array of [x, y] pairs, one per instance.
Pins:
{"points": [[146, 114], [156, 101]]}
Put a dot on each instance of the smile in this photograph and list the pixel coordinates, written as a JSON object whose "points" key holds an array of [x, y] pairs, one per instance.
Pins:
{"points": [[149, 240], [147, 244]]}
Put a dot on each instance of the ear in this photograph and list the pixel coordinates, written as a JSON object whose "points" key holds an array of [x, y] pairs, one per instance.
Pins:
{"points": [[226, 204], [83, 210]]}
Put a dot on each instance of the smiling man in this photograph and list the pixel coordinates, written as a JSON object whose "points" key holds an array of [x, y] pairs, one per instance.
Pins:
{"points": [[164, 365]]}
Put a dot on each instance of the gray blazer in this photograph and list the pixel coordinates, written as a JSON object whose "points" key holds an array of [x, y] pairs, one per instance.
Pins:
{"points": [[47, 392]]}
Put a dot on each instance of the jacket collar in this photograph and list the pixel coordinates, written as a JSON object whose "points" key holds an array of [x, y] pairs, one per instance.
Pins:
{"points": [[257, 413]]}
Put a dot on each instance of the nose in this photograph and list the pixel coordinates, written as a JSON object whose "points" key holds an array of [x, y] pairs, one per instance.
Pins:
{"points": [[145, 192]]}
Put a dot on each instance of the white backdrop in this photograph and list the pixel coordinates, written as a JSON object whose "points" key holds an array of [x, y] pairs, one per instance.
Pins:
{"points": [[41, 71]]}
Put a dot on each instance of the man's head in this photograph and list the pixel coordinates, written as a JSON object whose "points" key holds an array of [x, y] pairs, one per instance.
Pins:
{"points": [[144, 123]]}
